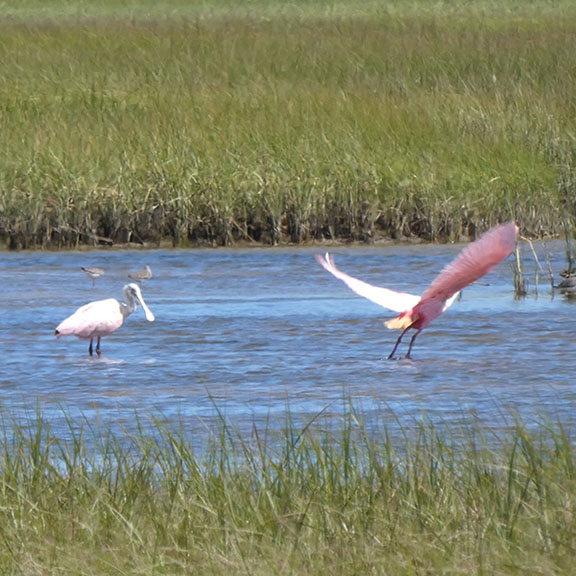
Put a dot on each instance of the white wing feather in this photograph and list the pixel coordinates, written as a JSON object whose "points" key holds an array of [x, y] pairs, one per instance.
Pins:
{"points": [[390, 299]]}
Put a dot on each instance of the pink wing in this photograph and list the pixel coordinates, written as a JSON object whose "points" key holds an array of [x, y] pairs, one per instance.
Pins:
{"points": [[94, 319], [476, 260], [396, 301]]}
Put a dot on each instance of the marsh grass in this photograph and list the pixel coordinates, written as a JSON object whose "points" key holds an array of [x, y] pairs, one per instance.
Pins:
{"points": [[261, 122], [325, 497]]}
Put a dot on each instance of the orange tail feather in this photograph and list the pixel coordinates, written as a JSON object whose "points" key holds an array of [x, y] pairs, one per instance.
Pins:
{"points": [[402, 322]]}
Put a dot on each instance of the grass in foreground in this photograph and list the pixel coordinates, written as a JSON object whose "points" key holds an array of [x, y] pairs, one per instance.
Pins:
{"points": [[310, 500], [222, 121]]}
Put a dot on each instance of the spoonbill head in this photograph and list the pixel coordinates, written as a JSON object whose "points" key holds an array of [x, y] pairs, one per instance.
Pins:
{"points": [[103, 317], [416, 312]]}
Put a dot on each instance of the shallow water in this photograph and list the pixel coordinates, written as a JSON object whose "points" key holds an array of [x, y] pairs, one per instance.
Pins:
{"points": [[249, 334]]}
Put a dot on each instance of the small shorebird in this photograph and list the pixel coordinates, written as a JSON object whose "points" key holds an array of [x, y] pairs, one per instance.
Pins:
{"points": [[93, 273], [103, 317], [141, 275], [567, 286]]}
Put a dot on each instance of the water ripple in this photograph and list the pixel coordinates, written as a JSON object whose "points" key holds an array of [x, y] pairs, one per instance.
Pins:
{"points": [[251, 333]]}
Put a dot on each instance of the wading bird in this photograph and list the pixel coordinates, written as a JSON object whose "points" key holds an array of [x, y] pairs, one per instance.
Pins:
{"points": [[568, 286], [103, 317], [141, 275], [93, 273], [416, 312]]}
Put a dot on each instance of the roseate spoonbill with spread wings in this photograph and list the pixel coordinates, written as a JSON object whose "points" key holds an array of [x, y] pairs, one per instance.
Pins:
{"points": [[103, 317], [93, 273], [141, 275], [416, 312]]}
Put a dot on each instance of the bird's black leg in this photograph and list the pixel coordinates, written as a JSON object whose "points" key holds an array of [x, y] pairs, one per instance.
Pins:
{"points": [[98, 346], [398, 343], [90, 347], [412, 342]]}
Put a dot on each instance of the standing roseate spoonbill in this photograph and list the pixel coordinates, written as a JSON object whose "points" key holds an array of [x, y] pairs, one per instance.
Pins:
{"points": [[93, 273], [416, 312], [103, 317], [141, 275]]}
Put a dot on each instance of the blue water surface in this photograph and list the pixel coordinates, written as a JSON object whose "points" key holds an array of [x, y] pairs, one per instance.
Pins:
{"points": [[251, 334]]}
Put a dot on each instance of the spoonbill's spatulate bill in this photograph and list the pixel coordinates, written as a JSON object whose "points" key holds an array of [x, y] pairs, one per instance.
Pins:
{"points": [[416, 312], [103, 317]]}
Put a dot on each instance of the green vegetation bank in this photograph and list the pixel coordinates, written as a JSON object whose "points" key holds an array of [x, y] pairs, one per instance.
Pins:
{"points": [[321, 498], [223, 122]]}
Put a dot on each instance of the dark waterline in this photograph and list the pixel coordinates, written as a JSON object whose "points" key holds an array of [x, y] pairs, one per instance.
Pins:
{"points": [[249, 334]]}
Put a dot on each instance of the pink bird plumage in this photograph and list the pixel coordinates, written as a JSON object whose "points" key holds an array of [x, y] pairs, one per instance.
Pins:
{"points": [[103, 317], [416, 312]]}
